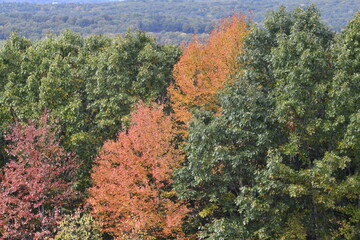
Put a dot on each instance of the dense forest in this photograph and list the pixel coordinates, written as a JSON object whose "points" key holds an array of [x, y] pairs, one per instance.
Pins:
{"points": [[57, 1], [171, 21], [252, 133]]}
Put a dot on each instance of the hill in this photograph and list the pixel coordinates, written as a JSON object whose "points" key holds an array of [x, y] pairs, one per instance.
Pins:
{"points": [[171, 21]]}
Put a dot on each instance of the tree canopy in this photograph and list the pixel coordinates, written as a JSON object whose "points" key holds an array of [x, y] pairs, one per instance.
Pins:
{"points": [[203, 68], [256, 137], [132, 175], [37, 186], [88, 84], [171, 21], [274, 163]]}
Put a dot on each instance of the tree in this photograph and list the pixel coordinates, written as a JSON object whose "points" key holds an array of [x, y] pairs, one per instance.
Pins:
{"points": [[133, 68], [272, 165], [204, 68], [79, 226], [131, 194], [10, 59], [88, 84], [36, 187], [343, 124]]}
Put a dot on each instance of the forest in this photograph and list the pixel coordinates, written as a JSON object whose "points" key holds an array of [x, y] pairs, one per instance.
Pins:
{"points": [[253, 133], [170, 21]]}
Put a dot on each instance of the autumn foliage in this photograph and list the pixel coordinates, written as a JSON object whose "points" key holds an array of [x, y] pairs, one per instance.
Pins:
{"points": [[36, 186], [203, 68], [131, 195]]}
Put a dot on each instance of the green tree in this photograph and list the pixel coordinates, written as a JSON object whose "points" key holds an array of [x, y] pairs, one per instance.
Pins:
{"points": [[343, 124], [11, 55], [274, 165], [134, 67], [88, 84]]}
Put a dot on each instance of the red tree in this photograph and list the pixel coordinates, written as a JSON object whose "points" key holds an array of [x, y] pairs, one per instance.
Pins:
{"points": [[131, 194], [36, 186]]}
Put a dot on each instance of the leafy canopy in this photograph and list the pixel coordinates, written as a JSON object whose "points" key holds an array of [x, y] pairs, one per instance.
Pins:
{"points": [[131, 194], [203, 68], [280, 161], [36, 186]]}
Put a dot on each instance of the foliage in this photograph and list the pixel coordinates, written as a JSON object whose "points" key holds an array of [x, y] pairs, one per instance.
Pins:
{"points": [[88, 84], [279, 162], [9, 66], [272, 149], [204, 68], [78, 227], [36, 187], [131, 195], [174, 20], [343, 123]]}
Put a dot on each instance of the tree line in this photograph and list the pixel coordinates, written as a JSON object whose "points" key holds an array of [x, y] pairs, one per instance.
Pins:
{"points": [[252, 134], [169, 21]]}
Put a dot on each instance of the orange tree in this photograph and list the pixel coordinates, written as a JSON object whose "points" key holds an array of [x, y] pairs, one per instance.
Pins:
{"points": [[204, 67], [131, 194]]}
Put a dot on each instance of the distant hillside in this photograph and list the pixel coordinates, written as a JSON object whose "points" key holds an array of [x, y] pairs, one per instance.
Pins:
{"points": [[170, 20], [57, 1]]}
